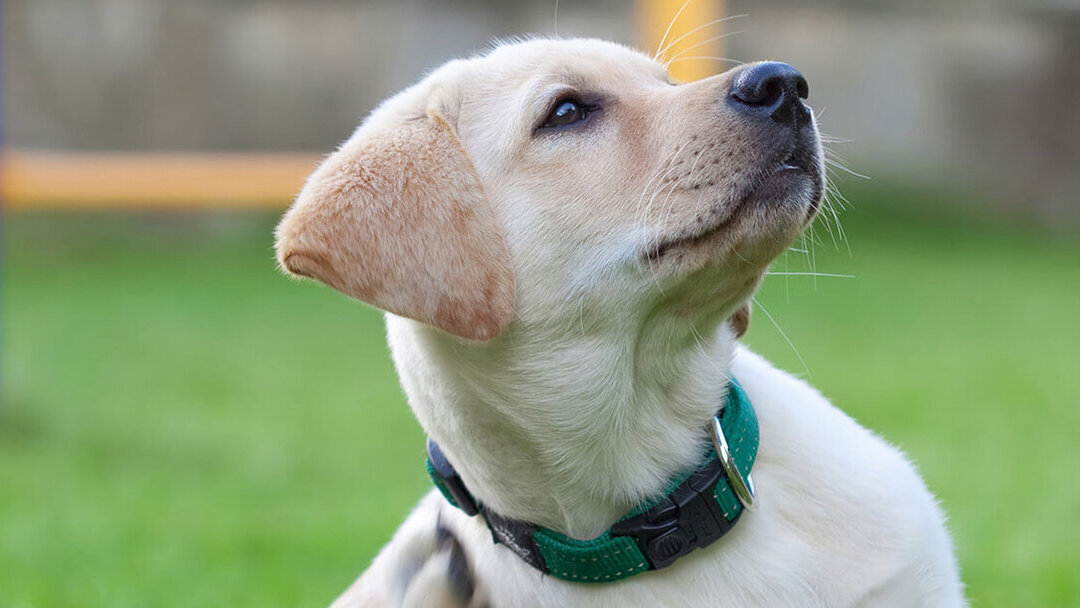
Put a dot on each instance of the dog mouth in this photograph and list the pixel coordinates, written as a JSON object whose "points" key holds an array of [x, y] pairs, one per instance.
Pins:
{"points": [[803, 155], [655, 253], [795, 179], [802, 162]]}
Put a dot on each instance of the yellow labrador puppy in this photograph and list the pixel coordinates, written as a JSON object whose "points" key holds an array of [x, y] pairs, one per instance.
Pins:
{"points": [[565, 241]]}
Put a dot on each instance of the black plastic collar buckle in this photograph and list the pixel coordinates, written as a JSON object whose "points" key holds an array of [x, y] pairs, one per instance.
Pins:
{"points": [[450, 479], [686, 519]]}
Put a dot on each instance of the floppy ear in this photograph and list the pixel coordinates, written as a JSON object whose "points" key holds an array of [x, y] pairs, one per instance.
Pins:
{"points": [[740, 320], [397, 218]]}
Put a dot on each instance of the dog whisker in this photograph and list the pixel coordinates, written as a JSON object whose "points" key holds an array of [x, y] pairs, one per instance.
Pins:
{"points": [[830, 217], [830, 208], [659, 52], [663, 167], [706, 58], [839, 164], [833, 199], [654, 238], [699, 340], [783, 335], [695, 30], [832, 139], [660, 173], [833, 158], [642, 214], [787, 281], [671, 166], [668, 204], [808, 240], [683, 52], [841, 200], [807, 274]]}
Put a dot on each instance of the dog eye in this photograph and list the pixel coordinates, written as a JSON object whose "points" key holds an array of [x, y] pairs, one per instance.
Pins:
{"points": [[567, 112]]}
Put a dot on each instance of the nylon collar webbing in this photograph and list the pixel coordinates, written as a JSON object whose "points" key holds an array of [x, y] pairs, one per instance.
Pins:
{"points": [[697, 509]]}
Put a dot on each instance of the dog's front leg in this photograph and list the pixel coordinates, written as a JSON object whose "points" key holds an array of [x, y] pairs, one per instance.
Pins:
{"points": [[423, 566]]}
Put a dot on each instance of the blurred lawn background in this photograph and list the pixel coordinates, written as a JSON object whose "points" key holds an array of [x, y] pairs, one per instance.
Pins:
{"points": [[180, 425], [183, 426]]}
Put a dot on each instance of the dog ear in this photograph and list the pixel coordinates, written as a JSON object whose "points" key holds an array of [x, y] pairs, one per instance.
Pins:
{"points": [[740, 320], [397, 218]]}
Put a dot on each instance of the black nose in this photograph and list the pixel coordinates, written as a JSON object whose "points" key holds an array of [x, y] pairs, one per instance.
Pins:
{"points": [[775, 88]]}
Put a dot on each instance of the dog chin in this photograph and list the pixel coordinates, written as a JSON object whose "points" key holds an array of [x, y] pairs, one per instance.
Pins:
{"points": [[790, 194]]}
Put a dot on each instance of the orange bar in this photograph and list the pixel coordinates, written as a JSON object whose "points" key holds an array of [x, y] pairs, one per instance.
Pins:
{"points": [[97, 180], [690, 51]]}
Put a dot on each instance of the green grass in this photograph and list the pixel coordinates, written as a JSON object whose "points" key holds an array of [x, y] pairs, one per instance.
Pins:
{"points": [[181, 426]]}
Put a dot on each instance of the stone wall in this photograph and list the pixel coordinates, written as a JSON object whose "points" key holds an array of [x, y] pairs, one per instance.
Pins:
{"points": [[978, 94]]}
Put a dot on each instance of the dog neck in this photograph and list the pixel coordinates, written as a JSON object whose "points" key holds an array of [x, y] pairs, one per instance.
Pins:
{"points": [[568, 432]]}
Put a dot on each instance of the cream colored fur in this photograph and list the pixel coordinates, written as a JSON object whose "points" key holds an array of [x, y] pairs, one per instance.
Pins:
{"points": [[560, 299]]}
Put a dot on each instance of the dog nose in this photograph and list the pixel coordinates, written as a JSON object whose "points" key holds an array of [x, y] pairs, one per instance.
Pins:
{"points": [[774, 88]]}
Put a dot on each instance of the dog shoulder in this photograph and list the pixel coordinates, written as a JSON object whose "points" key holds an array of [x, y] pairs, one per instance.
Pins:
{"points": [[842, 488], [802, 428]]}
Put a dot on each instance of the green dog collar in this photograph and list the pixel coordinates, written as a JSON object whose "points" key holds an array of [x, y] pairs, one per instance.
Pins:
{"points": [[696, 509]]}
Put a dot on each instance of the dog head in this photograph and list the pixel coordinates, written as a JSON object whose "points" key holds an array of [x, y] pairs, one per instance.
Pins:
{"points": [[557, 183]]}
